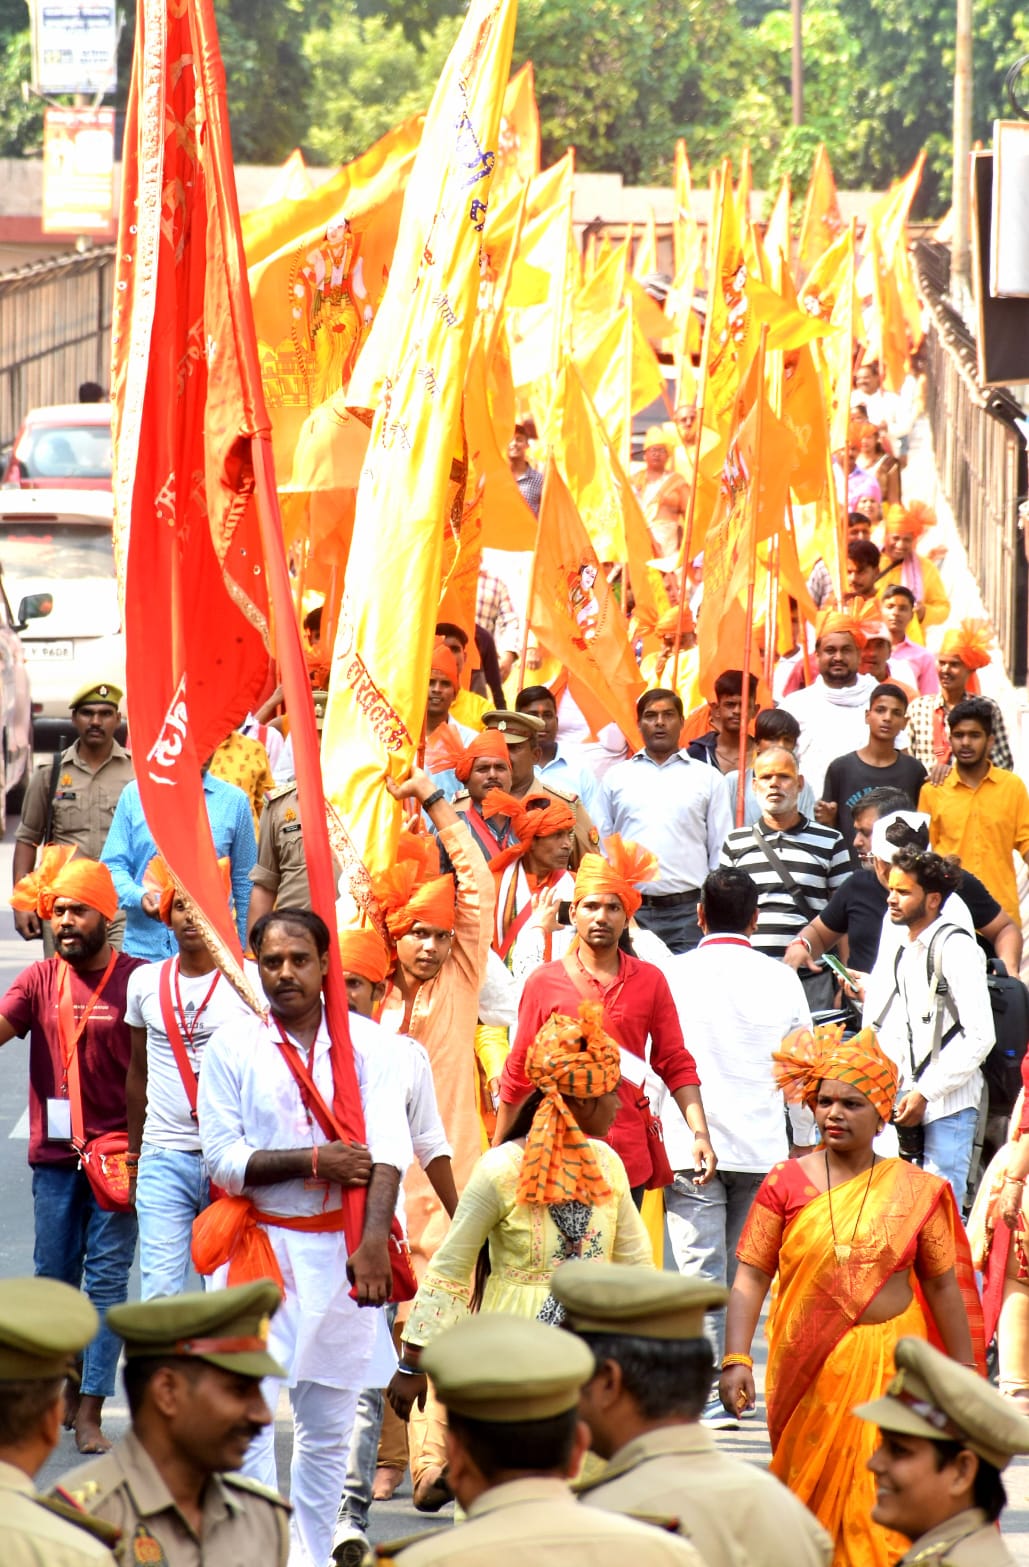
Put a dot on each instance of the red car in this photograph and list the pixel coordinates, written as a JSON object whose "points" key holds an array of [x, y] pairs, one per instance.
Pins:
{"points": [[66, 447]]}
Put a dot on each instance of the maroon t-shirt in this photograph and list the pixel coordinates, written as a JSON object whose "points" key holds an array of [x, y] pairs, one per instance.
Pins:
{"points": [[30, 1007]]}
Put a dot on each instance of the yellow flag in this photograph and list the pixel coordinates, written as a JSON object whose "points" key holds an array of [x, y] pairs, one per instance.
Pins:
{"points": [[744, 189], [645, 260], [685, 226], [777, 233], [508, 522], [622, 375], [822, 224], [601, 294], [538, 311], [418, 354], [829, 293], [518, 142], [292, 182], [573, 611]]}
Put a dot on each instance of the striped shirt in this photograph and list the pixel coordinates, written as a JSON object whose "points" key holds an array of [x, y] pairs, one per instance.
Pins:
{"points": [[929, 735], [817, 859]]}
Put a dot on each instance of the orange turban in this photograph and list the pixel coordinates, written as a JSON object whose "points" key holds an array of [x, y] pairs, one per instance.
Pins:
{"points": [[568, 1056], [363, 951], [489, 743], [444, 663], [807, 1058], [970, 642], [915, 518], [60, 874], [626, 864], [834, 622], [412, 891], [868, 615], [537, 816], [670, 619], [158, 878]]}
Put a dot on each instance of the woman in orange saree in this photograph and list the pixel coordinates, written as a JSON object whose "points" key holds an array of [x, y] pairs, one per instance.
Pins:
{"points": [[867, 1251]]}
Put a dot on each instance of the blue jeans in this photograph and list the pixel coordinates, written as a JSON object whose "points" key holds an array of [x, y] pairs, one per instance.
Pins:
{"points": [[356, 1501], [172, 1187], [675, 923], [83, 1245], [704, 1228], [948, 1149]]}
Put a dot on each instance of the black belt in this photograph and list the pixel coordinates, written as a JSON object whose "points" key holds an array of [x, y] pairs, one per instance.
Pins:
{"points": [[669, 899]]}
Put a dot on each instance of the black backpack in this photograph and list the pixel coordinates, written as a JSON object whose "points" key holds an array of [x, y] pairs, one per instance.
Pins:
{"points": [[1009, 1001]]}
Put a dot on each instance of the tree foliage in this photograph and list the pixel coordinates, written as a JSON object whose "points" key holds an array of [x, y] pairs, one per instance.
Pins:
{"points": [[618, 79]]}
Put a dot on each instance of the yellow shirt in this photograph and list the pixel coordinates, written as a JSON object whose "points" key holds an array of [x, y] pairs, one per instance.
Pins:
{"points": [[982, 826], [934, 597], [468, 707], [244, 762]]}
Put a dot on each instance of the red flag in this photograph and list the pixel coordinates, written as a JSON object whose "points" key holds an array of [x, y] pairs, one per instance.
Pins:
{"points": [[201, 559]]}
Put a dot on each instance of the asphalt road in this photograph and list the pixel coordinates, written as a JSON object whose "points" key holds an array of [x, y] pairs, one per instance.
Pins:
{"points": [[390, 1520]]}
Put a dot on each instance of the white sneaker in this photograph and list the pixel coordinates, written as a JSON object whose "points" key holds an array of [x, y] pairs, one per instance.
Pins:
{"points": [[349, 1546], [717, 1418]]}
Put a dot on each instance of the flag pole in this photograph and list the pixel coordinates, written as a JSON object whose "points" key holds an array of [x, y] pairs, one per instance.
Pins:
{"points": [[705, 354], [741, 774]]}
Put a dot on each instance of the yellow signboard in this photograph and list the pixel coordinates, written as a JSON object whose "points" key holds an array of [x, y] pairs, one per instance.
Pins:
{"points": [[78, 171]]}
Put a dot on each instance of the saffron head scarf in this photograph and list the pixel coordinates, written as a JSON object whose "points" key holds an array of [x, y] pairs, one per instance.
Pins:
{"points": [[970, 642], [626, 864], [412, 891], [916, 518], [63, 873], [158, 878], [444, 663], [568, 1056], [834, 622], [489, 743], [537, 816], [806, 1059], [363, 951]]}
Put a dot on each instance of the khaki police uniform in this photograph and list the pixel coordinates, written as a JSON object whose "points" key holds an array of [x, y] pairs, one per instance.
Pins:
{"points": [[281, 866], [242, 1523], [938, 1400], [43, 1326], [498, 1368], [735, 1515]]}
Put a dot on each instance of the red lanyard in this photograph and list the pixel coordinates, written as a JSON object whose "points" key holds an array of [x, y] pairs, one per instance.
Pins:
{"points": [[189, 1029], [68, 1031]]}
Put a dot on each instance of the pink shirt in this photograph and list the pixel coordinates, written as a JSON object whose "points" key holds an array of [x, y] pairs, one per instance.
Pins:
{"points": [[915, 666]]}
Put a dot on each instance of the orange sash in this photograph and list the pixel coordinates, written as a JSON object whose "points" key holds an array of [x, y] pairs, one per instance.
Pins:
{"points": [[229, 1230]]}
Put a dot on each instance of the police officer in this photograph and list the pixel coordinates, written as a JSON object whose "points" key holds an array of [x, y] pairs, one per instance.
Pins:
{"points": [[511, 1391], [71, 798], [43, 1326], [193, 1365], [654, 1370], [945, 1435], [522, 732]]}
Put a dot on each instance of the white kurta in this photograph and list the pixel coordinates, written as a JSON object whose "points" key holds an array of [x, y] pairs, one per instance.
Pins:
{"points": [[248, 1102]]}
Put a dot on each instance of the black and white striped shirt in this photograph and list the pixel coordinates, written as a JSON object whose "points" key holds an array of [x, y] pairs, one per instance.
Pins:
{"points": [[817, 859]]}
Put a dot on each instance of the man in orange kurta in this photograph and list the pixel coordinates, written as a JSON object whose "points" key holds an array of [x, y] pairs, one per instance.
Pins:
{"points": [[442, 940]]}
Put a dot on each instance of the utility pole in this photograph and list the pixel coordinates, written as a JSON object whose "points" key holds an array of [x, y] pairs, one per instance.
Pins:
{"points": [[797, 73], [960, 262]]}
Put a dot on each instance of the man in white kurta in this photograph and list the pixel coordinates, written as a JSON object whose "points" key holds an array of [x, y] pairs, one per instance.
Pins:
{"points": [[254, 1126]]}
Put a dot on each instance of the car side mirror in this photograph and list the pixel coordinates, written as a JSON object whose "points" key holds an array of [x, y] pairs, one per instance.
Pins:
{"points": [[35, 606]]}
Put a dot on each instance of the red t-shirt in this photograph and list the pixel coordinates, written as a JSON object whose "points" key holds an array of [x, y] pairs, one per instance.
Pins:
{"points": [[638, 1006], [30, 1007]]}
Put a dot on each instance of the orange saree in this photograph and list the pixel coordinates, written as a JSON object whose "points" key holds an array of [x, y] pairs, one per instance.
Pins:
{"points": [[822, 1359]]}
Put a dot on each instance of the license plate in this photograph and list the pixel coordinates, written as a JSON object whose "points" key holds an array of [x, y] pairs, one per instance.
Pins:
{"points": [[44, 652]]}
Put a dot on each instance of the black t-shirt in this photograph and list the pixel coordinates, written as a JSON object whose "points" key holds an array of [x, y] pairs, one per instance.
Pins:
{"points": [[848, 779], [856, 910]]}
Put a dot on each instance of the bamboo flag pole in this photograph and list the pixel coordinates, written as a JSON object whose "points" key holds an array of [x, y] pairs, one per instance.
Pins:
{"points": [[705, 354], [741, 775]]}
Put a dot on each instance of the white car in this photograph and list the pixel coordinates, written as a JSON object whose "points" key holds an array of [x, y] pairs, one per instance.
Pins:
{"points": [[57, 554]]}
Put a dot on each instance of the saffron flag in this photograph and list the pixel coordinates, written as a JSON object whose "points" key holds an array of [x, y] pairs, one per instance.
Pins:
{"points": [[685, 225], [829, 294], [574, 614], [821, 225], [777, 233], [518, 140], [645, 260], [412, 374]]}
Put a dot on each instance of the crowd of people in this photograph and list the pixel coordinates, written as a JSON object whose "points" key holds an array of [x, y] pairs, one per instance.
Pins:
{"points": [[638, 1029]]}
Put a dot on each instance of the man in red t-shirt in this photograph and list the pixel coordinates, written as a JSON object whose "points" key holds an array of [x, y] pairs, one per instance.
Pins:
{"points": [[637, 1005], [77, 1241]]}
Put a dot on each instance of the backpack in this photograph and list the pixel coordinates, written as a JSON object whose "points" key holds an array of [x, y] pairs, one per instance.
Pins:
{"points": [[1009, 1002]]}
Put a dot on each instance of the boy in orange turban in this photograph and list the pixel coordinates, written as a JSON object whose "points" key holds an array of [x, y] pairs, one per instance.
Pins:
{"points": [[903, 527]]}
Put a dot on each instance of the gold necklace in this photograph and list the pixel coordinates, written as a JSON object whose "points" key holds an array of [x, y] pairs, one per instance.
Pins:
{"points": [[842, 1250]]}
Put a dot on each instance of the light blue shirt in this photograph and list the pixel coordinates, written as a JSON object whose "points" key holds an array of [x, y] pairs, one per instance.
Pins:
{"points": [[560, 773], [130, 848], [678, 809]]}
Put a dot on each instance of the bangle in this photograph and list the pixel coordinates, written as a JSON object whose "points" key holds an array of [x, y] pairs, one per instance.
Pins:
{"points": [[1014, 1180], [433, 799], [314, 1162], [737, 1360], [409, 1371], [805, 944]]}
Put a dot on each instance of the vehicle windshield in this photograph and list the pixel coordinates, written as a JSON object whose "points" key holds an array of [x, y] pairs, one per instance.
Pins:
{"points": [[65, 452], [63, 551]]}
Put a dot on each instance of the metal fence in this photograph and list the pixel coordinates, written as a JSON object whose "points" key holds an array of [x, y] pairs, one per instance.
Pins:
{"points": [[55, 332], [981, 461]]}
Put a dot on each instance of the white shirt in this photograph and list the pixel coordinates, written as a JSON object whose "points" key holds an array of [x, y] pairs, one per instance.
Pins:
{"points": [[528, 950], [953, 1081], [561, 772], [249, 1103], [679, 809], [736, 1006], [832, 722], [169, 1119], [881, 985]]}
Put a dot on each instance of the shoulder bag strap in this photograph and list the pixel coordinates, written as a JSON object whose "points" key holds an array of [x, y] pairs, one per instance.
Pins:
{"points": [[783, 874], [939, 995], [175, 1039], [894, 993]]}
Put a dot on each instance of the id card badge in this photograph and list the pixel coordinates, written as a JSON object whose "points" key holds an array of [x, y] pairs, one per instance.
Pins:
{"points": [[58, 1120]]}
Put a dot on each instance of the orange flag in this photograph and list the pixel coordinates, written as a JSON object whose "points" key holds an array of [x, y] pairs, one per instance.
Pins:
{"points": [[777, 232], [829, 293], [574, 614], [822, 224], [518, 140]]}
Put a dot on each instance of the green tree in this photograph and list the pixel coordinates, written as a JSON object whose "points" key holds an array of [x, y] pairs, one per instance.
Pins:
{"points": [[21, 124]]}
